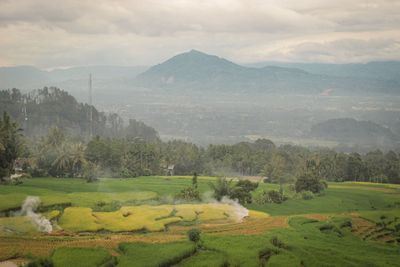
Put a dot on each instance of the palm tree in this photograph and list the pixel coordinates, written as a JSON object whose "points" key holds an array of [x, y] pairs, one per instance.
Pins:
{"points": [[62, 163], [77, 157]]}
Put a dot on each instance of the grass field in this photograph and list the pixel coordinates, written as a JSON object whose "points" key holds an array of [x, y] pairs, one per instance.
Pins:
{"points": [[351, 224]]}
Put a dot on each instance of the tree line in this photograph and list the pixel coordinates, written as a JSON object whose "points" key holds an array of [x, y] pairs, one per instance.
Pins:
{"points": [[61, 155]]}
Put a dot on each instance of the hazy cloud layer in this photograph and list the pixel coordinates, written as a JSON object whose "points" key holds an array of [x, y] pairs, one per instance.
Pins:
{"points": [[50, 33]]}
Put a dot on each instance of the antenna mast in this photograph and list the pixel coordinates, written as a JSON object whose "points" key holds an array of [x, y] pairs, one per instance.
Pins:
{"points": [[90, 106]]}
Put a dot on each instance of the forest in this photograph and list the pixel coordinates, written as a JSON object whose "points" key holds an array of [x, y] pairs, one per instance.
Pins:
{"points": [[60, 154]]}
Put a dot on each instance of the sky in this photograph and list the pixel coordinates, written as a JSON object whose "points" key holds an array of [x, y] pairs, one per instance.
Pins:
{"points": [[62, 33]]}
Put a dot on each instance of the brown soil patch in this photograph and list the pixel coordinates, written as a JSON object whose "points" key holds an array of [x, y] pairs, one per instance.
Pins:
{"points": [[42, 247], [361, 226], [249, 226], [317, 216], [370, 188]]}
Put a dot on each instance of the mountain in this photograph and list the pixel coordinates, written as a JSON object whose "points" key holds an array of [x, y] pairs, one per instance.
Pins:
{"points": [[200, 71], [23, 77], [195, 70], [74, 79], [349, 130], [383, 70]]}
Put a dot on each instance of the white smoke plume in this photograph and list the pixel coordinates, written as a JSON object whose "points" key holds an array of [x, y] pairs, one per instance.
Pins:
{"points": [[240, 211], [28, 208]]}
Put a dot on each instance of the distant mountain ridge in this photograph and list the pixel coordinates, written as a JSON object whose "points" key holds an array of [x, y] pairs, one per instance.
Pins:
{"points": [[200, 71], [195, 70], [384, 70], [29, 77]]}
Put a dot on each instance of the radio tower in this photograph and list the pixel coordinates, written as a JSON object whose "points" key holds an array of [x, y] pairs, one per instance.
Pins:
{"points": [[90, 106]]}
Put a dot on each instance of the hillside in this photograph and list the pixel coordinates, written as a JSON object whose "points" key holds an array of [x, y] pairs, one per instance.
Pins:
{"points": [[354, 131], [39, 110]]}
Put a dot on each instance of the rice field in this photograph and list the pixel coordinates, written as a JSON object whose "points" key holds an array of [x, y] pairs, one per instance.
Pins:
{"points": [[145, 217], [131, 222]]}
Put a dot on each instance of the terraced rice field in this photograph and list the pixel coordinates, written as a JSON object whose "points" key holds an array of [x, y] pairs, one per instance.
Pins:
{"points": [[128, 223]]}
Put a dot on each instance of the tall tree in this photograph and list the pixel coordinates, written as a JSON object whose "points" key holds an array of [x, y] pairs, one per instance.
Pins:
{"points": [[10, 145]]}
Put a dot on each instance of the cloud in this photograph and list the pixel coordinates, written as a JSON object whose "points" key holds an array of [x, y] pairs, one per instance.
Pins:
{"points": [[51, 33]]}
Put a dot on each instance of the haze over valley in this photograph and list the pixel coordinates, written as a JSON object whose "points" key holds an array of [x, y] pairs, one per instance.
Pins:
{"points": [[206, 99]]}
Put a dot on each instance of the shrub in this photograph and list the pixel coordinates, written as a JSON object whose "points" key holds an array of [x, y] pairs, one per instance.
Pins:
{"points": [[194, 235], [221, 188], [275, 196], [189, 193], [307, 195], [44, 262], [247, 185], [271, 196], [309, 182], [241, 195]]}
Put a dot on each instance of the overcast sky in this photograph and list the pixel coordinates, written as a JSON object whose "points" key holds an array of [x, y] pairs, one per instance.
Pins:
{"points": [[53, 33]]}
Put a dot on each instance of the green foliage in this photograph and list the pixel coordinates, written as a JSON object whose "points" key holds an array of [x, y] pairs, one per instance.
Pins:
{"points": [[339, 197], [145, 254], [51, 106], [42, 262], [10, 145], [309, 179], [271, 196], [189, 193], [194, 235], [221, 188], [247, 185], [307, 195], [194, 180], [205, 258], [82, 257], [242, 191], [240, 194]]}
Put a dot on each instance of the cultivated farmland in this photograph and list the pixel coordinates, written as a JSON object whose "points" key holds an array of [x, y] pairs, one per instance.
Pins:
{"points": [[134, 222]]}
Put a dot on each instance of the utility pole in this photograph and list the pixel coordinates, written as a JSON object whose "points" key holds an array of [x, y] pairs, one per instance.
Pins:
{"points": [[25, 114]]}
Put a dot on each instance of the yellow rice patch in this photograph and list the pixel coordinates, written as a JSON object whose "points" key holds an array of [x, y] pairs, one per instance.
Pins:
{"points": [[145, 217]]}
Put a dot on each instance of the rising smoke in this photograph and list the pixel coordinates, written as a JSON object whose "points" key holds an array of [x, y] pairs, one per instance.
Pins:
{"points": [[29, 206], [240, 211]]}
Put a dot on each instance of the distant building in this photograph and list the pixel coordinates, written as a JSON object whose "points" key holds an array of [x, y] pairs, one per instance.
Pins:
{"points": [[170, 170]]}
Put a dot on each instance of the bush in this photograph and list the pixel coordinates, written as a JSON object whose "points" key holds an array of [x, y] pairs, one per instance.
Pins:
{"points": [[241, 191], [189, 194], [271, 196], [307, 195], [241, 194], [247, 185], [194, 235], [309, 182], [41, 263]]}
